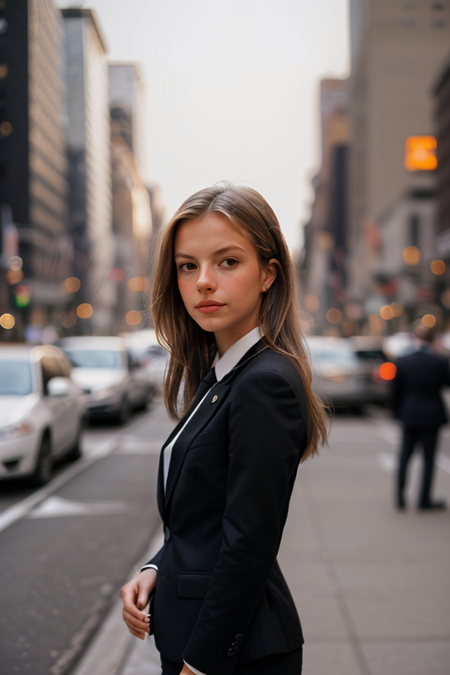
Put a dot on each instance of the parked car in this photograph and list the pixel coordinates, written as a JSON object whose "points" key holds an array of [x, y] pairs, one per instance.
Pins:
{"points": [[350, 372], [144, 348], [42, 411], [114, 382]]}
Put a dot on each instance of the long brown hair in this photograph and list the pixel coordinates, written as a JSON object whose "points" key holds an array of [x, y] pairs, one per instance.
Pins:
{"points": [[192, 349]]}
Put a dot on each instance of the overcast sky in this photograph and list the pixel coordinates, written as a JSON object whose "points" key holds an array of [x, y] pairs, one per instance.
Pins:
{"points": [[232, 91]]}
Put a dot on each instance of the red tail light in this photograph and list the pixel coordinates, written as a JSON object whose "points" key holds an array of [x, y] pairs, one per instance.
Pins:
{"points": [[387, 371]]}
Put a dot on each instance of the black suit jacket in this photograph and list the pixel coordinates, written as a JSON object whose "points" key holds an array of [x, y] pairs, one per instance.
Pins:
{"points": [[220, 596], [417, 399]]}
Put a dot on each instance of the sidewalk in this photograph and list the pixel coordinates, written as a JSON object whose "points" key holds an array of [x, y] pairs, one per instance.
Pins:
{"points": [[371, 584]]}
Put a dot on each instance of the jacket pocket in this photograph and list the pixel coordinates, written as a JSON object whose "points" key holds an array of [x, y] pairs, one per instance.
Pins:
{"points": [[193, 584]]}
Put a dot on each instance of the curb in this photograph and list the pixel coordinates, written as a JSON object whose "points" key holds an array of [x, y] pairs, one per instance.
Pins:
{"points": [[108, 649]]}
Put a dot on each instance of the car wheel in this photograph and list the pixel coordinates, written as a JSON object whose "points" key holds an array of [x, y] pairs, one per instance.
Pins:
{"points": [[44, 465], [124, 412]]}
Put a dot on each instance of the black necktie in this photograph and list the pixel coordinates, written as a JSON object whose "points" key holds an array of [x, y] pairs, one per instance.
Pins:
{"points": [[205, 385]]}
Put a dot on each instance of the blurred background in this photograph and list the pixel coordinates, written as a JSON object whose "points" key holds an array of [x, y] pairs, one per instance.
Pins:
{"points": [[337, 113], [113, 113]]}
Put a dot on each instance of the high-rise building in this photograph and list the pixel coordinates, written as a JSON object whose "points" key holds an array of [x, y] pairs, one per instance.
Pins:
{"points": [[89, 152], [132, 216], [33, 164], [322, 278], [397, 47], [128, 108]]}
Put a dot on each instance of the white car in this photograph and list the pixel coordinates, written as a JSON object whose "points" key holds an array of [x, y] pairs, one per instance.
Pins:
{"points": [[42, 411], [114, 382]]}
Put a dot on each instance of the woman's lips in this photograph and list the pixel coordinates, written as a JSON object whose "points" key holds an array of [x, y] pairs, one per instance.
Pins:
{"points": [[209, 308]]}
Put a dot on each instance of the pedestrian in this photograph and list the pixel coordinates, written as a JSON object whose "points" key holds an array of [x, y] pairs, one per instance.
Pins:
{"points": [[224, 306], [418, 404]]}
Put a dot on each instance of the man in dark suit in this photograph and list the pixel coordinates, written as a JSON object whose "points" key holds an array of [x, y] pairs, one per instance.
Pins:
{"points": [[419, 406]]}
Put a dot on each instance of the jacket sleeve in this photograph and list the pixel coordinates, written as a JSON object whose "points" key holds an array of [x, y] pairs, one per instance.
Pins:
{"points": [[154, 562], [267, 439]]}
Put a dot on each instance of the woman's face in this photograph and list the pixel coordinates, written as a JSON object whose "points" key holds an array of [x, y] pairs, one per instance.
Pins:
{"points": [[220, 278]]}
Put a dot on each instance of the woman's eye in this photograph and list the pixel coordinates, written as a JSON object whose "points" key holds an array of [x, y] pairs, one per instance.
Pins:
{"points": [[229, 262], [187, 267]]}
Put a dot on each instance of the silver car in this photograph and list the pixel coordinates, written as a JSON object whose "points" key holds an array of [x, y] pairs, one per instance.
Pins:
{"points": [[349, 372], [42, 411], [114, 382]]}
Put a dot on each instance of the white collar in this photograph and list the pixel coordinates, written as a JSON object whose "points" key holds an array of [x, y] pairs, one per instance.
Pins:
{"points": [[235, 353]]}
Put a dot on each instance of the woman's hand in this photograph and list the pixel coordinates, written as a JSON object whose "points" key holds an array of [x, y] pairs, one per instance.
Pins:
{"points": [[135, 595], [186, 670]]}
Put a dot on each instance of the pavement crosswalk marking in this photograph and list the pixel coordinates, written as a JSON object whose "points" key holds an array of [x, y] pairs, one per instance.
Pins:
{"points": [[55, 507]]}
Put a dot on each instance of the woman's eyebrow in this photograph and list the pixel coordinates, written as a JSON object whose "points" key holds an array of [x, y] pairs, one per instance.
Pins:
{"points": [[220, 251]]}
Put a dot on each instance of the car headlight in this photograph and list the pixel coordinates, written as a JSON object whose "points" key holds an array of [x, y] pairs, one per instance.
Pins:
{"points": [[18, 430]]}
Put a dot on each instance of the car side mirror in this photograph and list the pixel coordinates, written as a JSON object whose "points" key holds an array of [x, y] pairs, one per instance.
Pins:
{"points": [[59, 386]]}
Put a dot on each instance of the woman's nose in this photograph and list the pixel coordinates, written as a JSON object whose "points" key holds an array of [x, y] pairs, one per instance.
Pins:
{"points": [[205, 280]]}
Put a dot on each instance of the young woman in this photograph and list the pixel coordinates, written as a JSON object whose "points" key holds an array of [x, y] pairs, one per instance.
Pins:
{"points": [[223, 304]]}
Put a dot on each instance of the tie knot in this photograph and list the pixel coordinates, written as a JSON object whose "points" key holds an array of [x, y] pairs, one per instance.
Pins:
{"points": [[210, 378]]}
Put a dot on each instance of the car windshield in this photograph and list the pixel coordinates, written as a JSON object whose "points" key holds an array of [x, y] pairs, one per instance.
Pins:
{"points": [[15, 378], [370, 354], [324, 354], [94, 358]]}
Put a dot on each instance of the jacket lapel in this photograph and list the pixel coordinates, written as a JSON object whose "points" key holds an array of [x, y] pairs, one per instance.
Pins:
{"points": [[208, 408]]}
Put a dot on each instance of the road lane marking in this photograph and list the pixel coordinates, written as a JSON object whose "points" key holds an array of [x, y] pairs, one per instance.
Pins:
{"points": [[19, 510], [132, 446], [55, 507]]}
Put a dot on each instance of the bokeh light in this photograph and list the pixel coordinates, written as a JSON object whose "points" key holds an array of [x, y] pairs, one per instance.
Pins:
{"points": [[137, 284], [72, 285], [334, 316], [7, 321], [84, 311], [387, 371], [6, 128], [386, 312], [312, 303], [133, 318], [15, 263], [411, 255], [429, 320], [437, 267], [14, 276], [117, 274]]}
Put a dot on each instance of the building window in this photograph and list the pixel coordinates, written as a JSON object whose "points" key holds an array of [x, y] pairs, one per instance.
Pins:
{"points": [[437, 5], [414, 230], [438, 23]]}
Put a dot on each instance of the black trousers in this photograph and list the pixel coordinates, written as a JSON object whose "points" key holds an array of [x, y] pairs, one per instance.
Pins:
{"points": [[411, 436], [276, 664]]}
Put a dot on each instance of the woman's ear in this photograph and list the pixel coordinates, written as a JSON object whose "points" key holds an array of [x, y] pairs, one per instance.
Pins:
{"points": [[268, 274]]}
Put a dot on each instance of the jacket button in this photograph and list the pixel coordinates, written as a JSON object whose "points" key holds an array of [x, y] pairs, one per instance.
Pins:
{"points": [[232, 651], [239, 637], [166, 534]]}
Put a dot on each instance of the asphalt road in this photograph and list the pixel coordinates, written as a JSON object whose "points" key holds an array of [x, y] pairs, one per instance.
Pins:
{"points": [[66, 550]]}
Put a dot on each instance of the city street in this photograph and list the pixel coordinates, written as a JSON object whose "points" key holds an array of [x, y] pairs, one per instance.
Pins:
{"points": [[371, 584], [63, 560]]}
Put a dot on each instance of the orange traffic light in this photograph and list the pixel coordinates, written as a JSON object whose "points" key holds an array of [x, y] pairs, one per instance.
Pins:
{"points": [[420, 153]]}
